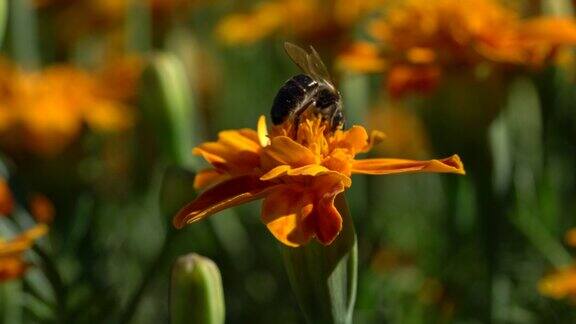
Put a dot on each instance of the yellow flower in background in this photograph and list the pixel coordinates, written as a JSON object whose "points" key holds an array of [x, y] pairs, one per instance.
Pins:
{"points": [[298, 173], [44, 112], [416, 40], [12, 263], [293, 18]]}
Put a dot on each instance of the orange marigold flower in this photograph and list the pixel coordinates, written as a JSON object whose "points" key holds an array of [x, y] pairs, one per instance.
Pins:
{"points": [[452, 34], [300, 18], [40, 112], [12, 263], [298, 171]]}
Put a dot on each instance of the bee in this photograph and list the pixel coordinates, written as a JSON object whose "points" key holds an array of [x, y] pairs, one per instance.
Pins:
{"points": [[313, 89]]}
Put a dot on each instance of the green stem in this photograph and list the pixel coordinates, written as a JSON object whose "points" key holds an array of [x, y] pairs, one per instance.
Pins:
{"points": [[134, 301], [324, 278], [53, 276]]}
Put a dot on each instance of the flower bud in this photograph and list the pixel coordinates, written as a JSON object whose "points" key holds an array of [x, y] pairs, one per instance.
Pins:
{"points": [[196, 294]]}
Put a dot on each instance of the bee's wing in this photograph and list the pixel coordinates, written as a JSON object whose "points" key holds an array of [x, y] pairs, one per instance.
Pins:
{"points": [[317, 67], [298, 56]]}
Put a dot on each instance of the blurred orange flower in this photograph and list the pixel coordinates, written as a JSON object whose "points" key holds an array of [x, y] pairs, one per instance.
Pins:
{"points": [[405, 131], [6, 198], [299, 18], [560, 284], [570, 237], [44, 111], [298, 171], [42, 208], [415, 40], [12, 263]]}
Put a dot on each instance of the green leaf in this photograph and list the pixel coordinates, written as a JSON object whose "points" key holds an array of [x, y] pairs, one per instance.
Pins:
{"points": [[23, 34], [3, 19], [324, 278], [196, 294]]}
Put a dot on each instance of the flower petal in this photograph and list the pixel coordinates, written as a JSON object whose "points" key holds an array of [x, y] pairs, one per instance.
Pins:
{"points": [[354, 139], [312, 170], [208, 177], [221, 196], [286, 212], [262, 131], [390, 166]]}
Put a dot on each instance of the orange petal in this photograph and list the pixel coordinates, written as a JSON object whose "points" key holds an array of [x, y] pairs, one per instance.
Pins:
{"points": [[286, 213], [284, 150], [224, 195], [234, 150], [208, 177], [390, 166], [275, 173]]}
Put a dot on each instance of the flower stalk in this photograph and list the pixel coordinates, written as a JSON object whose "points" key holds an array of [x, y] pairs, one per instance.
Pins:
{"points": [[324, 277]]}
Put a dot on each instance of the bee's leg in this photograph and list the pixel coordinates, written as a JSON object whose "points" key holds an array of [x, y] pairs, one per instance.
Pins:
{"points": [[297, 114], [336, 118]]}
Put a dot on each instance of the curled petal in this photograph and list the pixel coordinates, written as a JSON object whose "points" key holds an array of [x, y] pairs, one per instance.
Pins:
{"points": [[221, 196], [375, 138], [390, 166], [234, 150], [284, 150], [354, 139], [286, 212], [328, 219]]}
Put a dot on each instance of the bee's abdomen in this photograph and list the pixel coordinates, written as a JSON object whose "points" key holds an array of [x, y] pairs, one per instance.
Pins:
{"points": [[290, 96]]}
